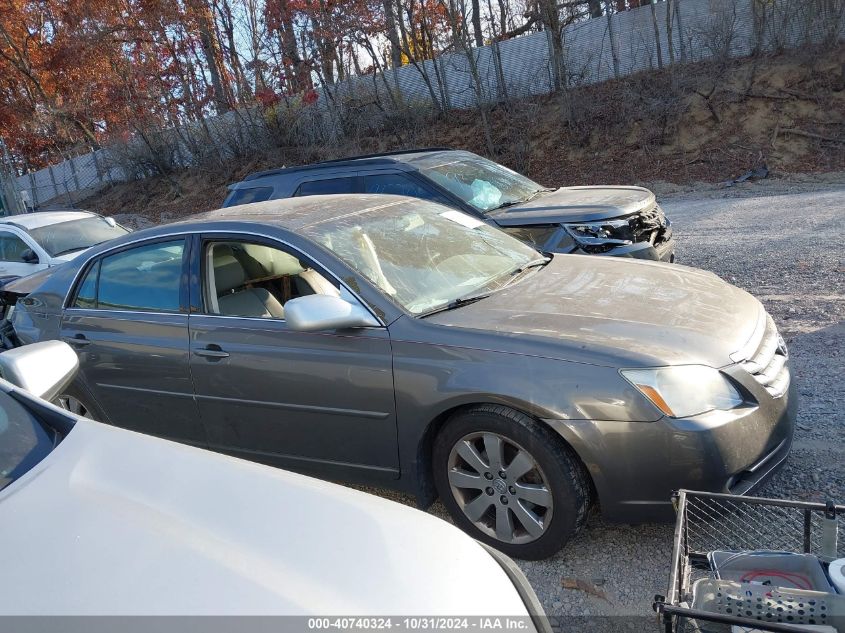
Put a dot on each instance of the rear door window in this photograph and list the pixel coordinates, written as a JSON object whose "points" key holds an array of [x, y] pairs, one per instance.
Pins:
{"points": [[146, 278], [247, 196], [326, 186]]}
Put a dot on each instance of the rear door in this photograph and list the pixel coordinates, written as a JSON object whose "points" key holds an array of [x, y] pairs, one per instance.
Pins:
{"points": [[317, 402], [128, 321]]}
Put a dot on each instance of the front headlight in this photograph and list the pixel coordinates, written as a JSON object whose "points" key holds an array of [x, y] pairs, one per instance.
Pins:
{"points": [[686, 390], [603, 232]]}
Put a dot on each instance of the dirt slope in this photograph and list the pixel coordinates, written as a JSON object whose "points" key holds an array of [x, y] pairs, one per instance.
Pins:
{"points": [[703, 122]]}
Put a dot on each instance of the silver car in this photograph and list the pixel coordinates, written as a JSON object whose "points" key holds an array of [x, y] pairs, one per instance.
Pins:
{"points": [[397, 342], [34, 241]]}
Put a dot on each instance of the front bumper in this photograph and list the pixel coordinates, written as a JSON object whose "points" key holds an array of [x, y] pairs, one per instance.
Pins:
{"points": [[662, 251], [636, 466]]}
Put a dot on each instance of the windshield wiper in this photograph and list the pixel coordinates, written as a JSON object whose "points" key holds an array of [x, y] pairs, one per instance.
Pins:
{"points": [[70, 250], [456, 303], [538, 192], [517, 273], [80, 248], [511, 203]]}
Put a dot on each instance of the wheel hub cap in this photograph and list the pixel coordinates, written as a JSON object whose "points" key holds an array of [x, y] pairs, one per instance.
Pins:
{"points": [[500, 487]]}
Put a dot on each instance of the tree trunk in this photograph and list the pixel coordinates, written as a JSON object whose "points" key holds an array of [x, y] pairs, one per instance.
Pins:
{"points": [[228, 24], [459, 33], [550, 17], [211, 52], [669, 40], [476, 23], [412, 58], [656, 36], [497, 56], [300, 78], [613, 52], [392, 35]]}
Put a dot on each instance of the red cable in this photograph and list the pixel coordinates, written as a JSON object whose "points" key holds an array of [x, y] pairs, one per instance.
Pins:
{"points": [[801, 580]]}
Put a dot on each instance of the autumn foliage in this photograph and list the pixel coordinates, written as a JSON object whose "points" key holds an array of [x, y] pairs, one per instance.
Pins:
{"points": [[75, 74]]}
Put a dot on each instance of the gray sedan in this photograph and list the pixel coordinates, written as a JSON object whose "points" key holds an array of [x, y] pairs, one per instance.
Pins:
{"points": [[396, 342]]}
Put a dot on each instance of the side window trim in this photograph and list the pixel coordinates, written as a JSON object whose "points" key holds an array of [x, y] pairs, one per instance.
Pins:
{"points": [[82, 273]]}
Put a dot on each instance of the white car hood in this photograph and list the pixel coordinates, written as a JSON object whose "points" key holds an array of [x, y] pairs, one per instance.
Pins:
{"points": [[117, 523]]}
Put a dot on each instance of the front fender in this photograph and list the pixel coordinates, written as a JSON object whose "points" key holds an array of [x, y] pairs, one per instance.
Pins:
{"points": [[433, 380]]}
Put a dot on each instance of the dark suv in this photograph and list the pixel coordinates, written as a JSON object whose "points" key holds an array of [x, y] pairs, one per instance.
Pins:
{"points": [[605, 220]]}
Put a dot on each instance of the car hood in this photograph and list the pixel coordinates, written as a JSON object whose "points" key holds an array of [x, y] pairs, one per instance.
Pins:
{"points": [[114, 522], [576, 204], [618, 312], [22, 286]]}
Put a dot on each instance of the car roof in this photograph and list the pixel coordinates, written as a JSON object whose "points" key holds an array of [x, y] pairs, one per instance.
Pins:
{"points": [[29, 221], [383, 158], [296, 213]]}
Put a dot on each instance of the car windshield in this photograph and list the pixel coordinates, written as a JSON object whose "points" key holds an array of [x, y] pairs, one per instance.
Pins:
{"points": [[75, 235], [24, 441], [423, 255], [480, 182]]}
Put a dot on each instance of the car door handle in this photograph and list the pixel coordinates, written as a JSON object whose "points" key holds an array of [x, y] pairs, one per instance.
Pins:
{"points": [[77, 340], [212, 351]]}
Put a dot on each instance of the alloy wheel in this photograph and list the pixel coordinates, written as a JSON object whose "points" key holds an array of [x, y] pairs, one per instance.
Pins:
{"points": [[69, 403], [500, 487]]}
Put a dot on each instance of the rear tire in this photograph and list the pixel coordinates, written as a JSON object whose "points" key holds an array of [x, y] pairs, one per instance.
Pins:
{"points": [[510, 482]]}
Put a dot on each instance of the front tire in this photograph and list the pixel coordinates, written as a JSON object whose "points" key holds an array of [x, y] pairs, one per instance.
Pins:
{"points": [[80, 403], [510, 482]]}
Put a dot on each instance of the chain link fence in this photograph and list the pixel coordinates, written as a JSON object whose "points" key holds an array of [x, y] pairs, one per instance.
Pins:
{"points": [[650, 37]]}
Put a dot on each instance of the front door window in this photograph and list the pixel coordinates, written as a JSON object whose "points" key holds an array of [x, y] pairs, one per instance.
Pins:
{"points": [[253, 280]]}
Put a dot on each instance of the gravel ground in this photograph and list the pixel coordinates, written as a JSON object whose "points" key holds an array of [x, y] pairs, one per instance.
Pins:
{"points": [[781, 241]]}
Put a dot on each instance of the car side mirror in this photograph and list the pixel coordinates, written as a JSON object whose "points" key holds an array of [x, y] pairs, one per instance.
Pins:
{"points": [[313, 313], [43, 369], [29, 256]]}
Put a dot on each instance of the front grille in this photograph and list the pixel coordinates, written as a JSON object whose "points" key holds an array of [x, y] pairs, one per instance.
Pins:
{"points": [[768, 363]]}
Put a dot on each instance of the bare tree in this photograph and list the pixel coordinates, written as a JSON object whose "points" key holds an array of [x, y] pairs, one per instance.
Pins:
{"points": [[211, 52], [392, 34], [457, 21], [656, 36], [476, 23]]}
